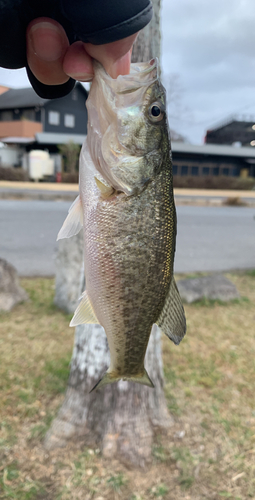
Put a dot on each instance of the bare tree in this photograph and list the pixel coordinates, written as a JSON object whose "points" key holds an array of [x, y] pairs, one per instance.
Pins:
{"points": [[178, 111], [121, 418]]}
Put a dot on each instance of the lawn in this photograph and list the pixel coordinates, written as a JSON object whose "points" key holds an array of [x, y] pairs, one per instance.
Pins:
{"points": [[209, 386]]}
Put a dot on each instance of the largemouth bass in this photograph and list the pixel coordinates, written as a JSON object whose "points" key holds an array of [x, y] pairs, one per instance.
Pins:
{"points": [[126, 207]]}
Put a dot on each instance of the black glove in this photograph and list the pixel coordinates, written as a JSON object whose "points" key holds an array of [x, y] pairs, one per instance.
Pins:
{"points": [[94, 21]]}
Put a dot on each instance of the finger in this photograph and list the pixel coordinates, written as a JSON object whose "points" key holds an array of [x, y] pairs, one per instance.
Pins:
{"points": [[115, 56], [77, 63], [47, 44]]}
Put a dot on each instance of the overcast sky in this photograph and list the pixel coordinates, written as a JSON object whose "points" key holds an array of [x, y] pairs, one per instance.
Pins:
{"points": [[211, 46], [208, 61]]}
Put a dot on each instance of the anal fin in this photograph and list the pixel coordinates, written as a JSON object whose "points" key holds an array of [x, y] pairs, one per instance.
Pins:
{"points": [[73, 222], [84, 312], [172, 319]]}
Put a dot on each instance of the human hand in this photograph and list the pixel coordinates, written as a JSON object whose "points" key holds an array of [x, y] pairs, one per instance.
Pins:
{"points": [[53, 60]]}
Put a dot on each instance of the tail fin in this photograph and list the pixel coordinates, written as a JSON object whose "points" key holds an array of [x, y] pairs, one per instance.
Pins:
{"points": [[110, 377]]}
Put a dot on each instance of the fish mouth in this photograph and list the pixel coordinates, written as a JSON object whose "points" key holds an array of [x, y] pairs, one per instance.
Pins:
{"points": [[141, 75], [113, 105]]}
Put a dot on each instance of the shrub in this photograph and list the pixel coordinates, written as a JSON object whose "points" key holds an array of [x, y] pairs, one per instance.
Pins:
{"points": [[13, 174], [211, 182], [70, 178], [70, 153]]}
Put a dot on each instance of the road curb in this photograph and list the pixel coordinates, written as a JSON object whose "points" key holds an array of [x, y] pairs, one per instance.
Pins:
{"points": [[31, 195], [59, 192]]}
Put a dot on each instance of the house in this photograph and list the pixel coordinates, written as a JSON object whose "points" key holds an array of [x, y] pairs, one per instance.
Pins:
{"points": [[30, 122], [237, 130], [212, 159]]}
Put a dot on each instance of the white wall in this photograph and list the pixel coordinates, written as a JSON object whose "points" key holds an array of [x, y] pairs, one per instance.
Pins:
{"points": [[10, 156]]}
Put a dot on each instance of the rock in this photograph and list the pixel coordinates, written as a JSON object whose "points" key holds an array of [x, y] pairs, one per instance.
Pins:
{"points": [[215, 287], [11, 292], [69, 265]]}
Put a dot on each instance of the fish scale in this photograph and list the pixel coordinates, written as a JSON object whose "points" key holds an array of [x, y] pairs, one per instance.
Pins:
{"points": [[129, 220]]}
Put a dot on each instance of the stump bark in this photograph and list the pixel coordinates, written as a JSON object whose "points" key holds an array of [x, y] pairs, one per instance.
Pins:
{"points": [[11, 292], [121, 419], [68, 265]]}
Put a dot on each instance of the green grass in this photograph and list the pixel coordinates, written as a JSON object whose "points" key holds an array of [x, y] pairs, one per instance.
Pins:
{"points": [[57, 374], [38, 431], [116, 482], [183, 456], [12, 488], [214, 302], [209, 389], [251, 273], [160, 491]]}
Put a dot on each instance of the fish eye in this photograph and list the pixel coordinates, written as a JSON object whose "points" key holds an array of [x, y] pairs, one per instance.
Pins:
{"points": [[156, 111]]}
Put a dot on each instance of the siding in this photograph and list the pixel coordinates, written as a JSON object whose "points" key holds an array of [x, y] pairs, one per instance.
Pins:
{"points": [[72, 104], [23, 128]]}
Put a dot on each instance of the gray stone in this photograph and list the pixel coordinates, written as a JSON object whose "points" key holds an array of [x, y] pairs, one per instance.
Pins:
{"points": [[215, 287], [11, 292], [69, 272]]}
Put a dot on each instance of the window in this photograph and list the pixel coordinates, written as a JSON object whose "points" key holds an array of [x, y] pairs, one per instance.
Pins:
{"points": [[6, 116], [216, 170], [194, 170], [175, 169], [184, 170], [69, 121], [225, 171], [29, 114], [206, 170], [54, 117]]}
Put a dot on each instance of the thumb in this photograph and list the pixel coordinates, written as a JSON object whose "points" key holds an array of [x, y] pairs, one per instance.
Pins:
{"points": [[115, 56], [47, 44]]}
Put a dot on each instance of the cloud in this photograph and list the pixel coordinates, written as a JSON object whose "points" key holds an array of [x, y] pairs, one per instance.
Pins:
{"points": [[211, 46], [16, 78]]}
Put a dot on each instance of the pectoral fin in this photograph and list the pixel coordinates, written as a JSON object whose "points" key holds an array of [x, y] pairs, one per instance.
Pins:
{"points": [[172, 319], [84, 312], [74, 221], [106, 190]]}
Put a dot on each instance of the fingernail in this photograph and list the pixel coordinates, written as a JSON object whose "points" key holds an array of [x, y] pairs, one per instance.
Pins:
{"points": [[120, 67], [81, 78], [47, 41]]}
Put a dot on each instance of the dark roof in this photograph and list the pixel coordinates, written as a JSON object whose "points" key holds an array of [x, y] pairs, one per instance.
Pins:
{"points": [[20, 98], [233, 125], [25, 98], [213, 149]]}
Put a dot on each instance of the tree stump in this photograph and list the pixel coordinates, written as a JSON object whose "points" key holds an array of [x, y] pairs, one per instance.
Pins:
{"points": [[11, 292], [69, 262], [123, 418]]}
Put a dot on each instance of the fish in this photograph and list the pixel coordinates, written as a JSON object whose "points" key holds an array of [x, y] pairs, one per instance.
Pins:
{"points": [[127, 211]]}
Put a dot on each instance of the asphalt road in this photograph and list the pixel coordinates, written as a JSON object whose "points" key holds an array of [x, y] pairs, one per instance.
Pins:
{"points": [[28, 231], [208, 239], [215, 238]]}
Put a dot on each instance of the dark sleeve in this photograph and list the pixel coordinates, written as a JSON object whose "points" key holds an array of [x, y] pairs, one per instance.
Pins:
{"points": [[105, 21], [94, 21]]}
